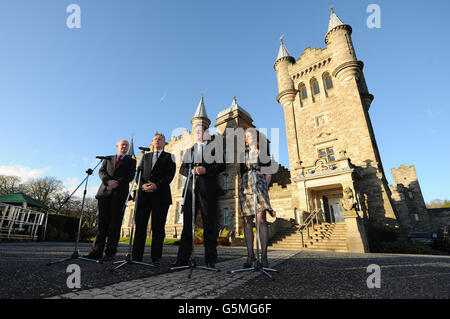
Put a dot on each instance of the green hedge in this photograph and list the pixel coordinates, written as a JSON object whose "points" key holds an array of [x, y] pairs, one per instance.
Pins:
{"points": [[401, 247], [387, 240], [63, 228]]}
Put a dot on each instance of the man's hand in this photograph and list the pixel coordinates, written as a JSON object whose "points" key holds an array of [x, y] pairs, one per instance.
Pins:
{"points": [[200, 170], [146, 187], [112, 184], [153, 187], [149, 187]]}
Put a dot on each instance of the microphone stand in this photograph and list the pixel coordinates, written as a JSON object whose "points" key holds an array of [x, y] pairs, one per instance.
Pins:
{"points": [[192, 263], [257, 266], [129, 257], [76, 253]]}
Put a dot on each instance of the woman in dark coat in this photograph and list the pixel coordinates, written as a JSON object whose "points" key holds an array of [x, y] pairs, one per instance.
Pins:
{"points": [[261, 162]]}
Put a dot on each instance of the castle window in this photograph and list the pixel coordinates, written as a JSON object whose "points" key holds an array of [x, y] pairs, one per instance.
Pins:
{"points": [[315, 87], [319, 120], [328, 82], [226, 182], [226, 215], [303, 92], [410, 194], [327, 154]]}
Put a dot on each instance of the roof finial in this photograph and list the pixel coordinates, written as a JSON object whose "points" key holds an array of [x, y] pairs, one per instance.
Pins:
{"points": [[331, 8], [281, 38]]}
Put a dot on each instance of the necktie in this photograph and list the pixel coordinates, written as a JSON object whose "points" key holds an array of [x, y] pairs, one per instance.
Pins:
{"points": [[118, 159], [155, 158]]}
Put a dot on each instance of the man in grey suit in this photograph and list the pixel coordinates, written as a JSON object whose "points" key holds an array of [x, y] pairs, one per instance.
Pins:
{"points": [[116, 174]]}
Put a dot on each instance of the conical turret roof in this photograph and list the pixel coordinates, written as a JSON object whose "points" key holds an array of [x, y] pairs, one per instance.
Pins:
{"points": [[282, 52], [200, 116], [334, 21], [201, 110]]}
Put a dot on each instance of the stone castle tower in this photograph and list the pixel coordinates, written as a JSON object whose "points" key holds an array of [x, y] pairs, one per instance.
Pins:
{"points": [[408, 199], [331, 142]]}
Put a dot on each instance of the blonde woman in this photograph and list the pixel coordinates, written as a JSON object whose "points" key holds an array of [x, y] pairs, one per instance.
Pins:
{"points": [[254, 158]]}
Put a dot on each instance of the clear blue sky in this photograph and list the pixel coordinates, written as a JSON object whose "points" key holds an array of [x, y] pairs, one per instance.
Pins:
{"points": [[67, 95]]}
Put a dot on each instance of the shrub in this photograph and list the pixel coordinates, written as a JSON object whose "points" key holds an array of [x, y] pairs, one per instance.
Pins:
{"points": [[199, 233], [401, 247], [224, 233], [223, 241], [61, 228]]}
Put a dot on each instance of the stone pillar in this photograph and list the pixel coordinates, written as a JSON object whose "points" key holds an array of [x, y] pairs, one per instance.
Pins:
{"points": [[302, 198], [356, 234]]}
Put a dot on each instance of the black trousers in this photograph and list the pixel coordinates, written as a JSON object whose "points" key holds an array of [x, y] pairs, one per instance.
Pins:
{"points": [[158, 212], [208, 210], [110, 216]]}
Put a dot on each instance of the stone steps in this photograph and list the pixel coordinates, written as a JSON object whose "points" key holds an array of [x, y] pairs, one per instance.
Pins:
{"points": [[324, 237]]}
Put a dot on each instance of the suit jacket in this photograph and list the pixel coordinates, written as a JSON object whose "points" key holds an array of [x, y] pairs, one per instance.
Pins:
{"points": [[206, 184], [123, 173], [162, 175]]}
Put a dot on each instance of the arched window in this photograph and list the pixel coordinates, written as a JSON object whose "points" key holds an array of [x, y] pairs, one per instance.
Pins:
{"points": [[315, 86], [303, 92], [226, 215], [328, 82], [226, 182]]}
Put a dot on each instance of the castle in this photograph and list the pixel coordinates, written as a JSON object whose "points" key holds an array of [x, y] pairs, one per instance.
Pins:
{"points": [[336, 170]]}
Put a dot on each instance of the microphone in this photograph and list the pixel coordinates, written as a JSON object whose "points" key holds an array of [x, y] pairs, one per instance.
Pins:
{"points": [[103, 157], [146, 149]]}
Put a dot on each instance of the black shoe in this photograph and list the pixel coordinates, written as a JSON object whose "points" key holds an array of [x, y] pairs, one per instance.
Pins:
{"points": [[139, 259], [211, 265], [264, 262], [94, 255], [108, 258], [156, 262], [250, 261]]}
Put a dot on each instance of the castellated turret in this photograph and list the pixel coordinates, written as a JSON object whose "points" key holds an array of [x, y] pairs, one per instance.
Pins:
{"points": [[282, 65], [331, 142]]}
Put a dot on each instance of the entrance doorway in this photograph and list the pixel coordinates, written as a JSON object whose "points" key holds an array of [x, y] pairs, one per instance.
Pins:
{"points": [[333, 208]]}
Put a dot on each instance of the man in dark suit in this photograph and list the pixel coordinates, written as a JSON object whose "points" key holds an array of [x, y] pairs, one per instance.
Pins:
{"points": [[207, 190], [116, 174], [158, 170]]}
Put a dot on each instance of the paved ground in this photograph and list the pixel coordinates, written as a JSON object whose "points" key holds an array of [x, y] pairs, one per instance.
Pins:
{"points": [[24, 274]]}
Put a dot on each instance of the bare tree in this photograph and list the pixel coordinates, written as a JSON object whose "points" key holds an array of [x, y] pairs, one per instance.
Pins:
{"points": [[44, 189], [10, 184], [439, 203]]}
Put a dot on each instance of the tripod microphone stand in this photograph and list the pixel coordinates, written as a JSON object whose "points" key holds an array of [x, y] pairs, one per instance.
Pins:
{"points": [[128, 258], [257, 264], [76, 253], [192, 263]]}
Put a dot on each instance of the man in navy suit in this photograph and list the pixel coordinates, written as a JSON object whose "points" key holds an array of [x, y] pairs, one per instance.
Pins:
{"points": [[207, 190], [154, 197], [116, 173]]}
